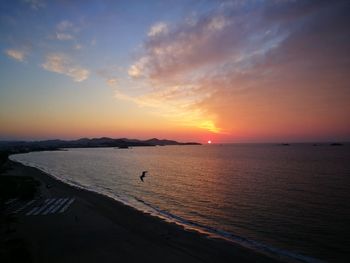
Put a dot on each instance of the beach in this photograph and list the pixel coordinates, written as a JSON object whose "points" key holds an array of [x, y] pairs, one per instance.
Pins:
{"points": [[96, 228]]}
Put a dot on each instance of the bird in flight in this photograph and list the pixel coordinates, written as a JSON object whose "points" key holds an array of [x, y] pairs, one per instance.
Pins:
{"points": [[143, 175]]}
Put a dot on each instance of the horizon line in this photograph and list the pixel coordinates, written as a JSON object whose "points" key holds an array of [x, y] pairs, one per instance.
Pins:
{"points": [[213, 142]]}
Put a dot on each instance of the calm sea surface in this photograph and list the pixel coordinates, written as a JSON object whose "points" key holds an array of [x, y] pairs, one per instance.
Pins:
{"points": [[288, 200]]}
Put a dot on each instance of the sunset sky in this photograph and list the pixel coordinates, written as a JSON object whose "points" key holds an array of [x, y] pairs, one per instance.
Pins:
{"points": [[226, 71]]}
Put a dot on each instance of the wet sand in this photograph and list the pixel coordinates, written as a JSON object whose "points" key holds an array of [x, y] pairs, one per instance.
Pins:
{"points": [[96, 228]]}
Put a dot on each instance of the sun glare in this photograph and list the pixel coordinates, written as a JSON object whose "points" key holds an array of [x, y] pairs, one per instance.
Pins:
{"points": [[209, 142]]}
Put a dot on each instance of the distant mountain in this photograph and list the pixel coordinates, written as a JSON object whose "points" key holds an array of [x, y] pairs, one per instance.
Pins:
{"points": [[25, 146], [164, 142]]}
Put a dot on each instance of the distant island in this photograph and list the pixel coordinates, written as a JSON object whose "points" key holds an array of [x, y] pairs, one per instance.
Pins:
{"points": [[26, 146]]}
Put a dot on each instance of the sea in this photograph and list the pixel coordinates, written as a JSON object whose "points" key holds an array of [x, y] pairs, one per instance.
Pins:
{"points": [[292, 201]]}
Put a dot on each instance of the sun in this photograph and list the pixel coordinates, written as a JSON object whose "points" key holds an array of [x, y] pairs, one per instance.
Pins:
{"points": [[209, 142]]}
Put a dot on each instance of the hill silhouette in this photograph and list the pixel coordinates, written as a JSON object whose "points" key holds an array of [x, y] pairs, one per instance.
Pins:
{"points": [[23, 146]]}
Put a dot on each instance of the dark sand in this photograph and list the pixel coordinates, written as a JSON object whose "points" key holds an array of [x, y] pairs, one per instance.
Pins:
{"points": [[96, 228]]}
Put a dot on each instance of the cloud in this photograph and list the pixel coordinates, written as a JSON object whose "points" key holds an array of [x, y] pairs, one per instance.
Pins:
{"points": [[16, 54], [182, 55], [217, 23], [233, 32], [66, 30], [137, 70], [62, 64], [251, 61], [112, 82], [65, 25], [110, 74], [157, 29], [177, 111], [64, 36], [213, 38], [297, 86], [35, 4]]}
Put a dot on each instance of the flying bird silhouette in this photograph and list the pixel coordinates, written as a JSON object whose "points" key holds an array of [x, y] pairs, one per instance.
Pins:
{"points": [[143, 175]]}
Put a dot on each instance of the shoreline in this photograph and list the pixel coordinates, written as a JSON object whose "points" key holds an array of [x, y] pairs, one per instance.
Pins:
{"points": [[206, 232], [170, 242]]}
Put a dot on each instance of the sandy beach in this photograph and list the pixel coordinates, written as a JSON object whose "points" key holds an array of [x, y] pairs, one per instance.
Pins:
{"points": [[95, 228]]}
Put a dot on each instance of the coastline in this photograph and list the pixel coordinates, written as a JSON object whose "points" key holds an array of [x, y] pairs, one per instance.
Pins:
{"points": [[97, 227]]}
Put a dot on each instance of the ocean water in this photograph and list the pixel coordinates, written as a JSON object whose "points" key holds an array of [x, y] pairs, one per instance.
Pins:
{"points": [[291, 201]]}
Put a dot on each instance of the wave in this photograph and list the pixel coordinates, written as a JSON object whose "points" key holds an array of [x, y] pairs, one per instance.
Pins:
{"points": [[148, 208]]}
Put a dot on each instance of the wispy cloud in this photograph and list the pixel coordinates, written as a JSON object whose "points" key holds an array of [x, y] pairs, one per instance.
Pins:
{"points": [[137, 70], [176, 58], [245, 48], [62, 64], [112, 82], [66, 30], [64, 36], [215, 38], [16, 54], [65, 25], [157, 29], [179, 111], [35, 4]]}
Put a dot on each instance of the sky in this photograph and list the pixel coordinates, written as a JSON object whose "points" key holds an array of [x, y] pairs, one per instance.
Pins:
{"points": [[225, 71]]}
